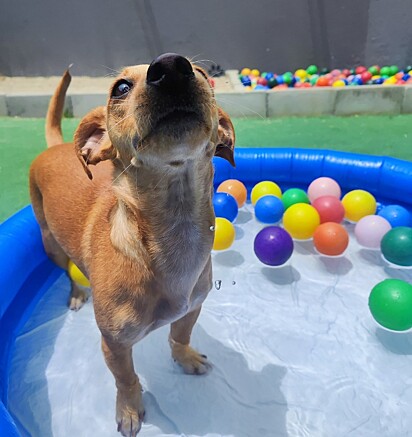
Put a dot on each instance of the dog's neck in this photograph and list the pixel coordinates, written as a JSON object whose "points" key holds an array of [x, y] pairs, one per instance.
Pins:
{"points": [[167, 211]]}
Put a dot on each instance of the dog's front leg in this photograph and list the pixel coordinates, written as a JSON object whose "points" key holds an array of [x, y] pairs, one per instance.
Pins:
{"points": [[192, 361], [181, 330], [129, 406]]}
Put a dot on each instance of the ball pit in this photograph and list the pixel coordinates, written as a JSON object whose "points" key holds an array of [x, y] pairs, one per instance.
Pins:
{"points": [[312, 77], [304, 308]]}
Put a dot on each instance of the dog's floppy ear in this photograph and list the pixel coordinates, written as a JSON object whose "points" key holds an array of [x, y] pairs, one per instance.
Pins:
{"points": [[226, 138], [91, 141]]}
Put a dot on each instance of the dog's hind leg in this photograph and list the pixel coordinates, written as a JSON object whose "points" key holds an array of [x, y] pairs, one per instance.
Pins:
{"points": [[78, 295]]}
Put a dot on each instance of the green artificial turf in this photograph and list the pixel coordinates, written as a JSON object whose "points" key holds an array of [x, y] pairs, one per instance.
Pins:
{"points": [[21, 139]]}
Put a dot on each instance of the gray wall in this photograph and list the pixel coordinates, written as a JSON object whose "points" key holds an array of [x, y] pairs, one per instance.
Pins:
{"points": [[42, 37]]}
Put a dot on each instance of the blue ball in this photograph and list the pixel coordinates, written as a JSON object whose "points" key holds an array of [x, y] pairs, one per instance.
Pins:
{"points": [[225, 206], [269, 76], [396, 215], [246, 80], [261, 87], [269, 209], [406, 77]]}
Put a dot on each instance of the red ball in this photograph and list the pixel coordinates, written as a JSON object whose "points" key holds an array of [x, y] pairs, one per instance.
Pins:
{"points": [[346, 72], [360, 69], [330, 209], [366, 76], [262, 81]]}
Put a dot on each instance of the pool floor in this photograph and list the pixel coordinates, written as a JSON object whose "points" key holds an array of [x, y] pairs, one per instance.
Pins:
{"points": [[294, 349]]}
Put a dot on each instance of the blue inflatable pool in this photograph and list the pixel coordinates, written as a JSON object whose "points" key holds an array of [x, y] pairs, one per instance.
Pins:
{"points": [[26, 273]]}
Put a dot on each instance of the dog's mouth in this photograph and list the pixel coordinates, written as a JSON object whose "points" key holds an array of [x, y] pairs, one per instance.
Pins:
{"points": [[176, 118]]}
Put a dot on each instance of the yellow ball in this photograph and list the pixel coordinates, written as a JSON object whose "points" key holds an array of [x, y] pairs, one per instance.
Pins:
{"points": [[338, 83], [76, 275], [358, 204], [245, 72], [301, 74], [255, 72], [301, 220], [224, 234], [263, 189], [390, 81], [377, 76]]}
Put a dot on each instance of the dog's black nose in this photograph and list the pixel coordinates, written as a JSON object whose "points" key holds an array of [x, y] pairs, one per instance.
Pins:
{"points": [[169, 71]]}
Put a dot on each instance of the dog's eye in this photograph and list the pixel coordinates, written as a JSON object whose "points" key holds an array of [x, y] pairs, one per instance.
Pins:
{"points": [[121, 88]]}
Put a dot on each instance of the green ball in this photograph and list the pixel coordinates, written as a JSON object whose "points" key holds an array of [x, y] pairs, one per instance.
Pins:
{"points": [[287, 78], [312, 69], [396, 246], [390, 304], [374, 70], [385, 71], [393, 70], [314, 79], [292, 196]]}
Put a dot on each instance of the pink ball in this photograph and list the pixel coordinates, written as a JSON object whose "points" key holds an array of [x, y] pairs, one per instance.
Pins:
{"points": [[323, 187], [330, 209], [369, 231]]}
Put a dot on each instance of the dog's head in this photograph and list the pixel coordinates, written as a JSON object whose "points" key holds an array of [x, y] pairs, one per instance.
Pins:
{"points": [[157, 115]]}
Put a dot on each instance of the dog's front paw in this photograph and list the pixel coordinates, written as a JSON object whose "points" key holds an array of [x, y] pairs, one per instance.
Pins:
{"points": [[129, 413], [191, 361]]}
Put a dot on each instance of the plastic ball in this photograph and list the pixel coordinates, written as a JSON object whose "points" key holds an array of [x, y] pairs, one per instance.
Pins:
{"points": [[246, 81], [312, 69], [224, 234], [76, 275], [301, 74], [323, 81], [396, 215], [225, 205], [374, 70], [338, 83], [370, 230], [262, 81], [385, 71], [323, 186], [390, 303], [273, 246], [360, 69], [245, 72], [264, 188], [235, 188], [330, 209], [272, 82], [366, 76], [393, 69], [331, 239], [255, 72], [269, 209], [301, 220], [358, 204], [396, 246], [294, 195]]}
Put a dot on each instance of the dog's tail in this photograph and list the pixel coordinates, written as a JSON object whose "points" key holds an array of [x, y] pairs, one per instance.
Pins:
{"points": [[55, 111]]}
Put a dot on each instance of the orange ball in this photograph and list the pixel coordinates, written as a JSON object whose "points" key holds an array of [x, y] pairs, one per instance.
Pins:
{"points": [[323, 81], [331, 239], [236, 189]]}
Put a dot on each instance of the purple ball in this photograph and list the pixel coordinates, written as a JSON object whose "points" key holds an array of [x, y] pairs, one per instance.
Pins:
{"points": [[273, 246]]}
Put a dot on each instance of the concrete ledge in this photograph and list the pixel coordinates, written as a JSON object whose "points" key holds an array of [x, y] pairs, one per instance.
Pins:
{"points": [[3, 106], [303, 102], [31, 105], [289, 102], [245, 104], [369, 100], [83, 103]]}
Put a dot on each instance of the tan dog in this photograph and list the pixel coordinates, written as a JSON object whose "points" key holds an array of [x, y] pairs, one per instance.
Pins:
{"points": [[140, 224]]}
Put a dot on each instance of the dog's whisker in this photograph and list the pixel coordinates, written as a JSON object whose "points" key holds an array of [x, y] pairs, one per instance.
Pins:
{"points": [[224, 100]]}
